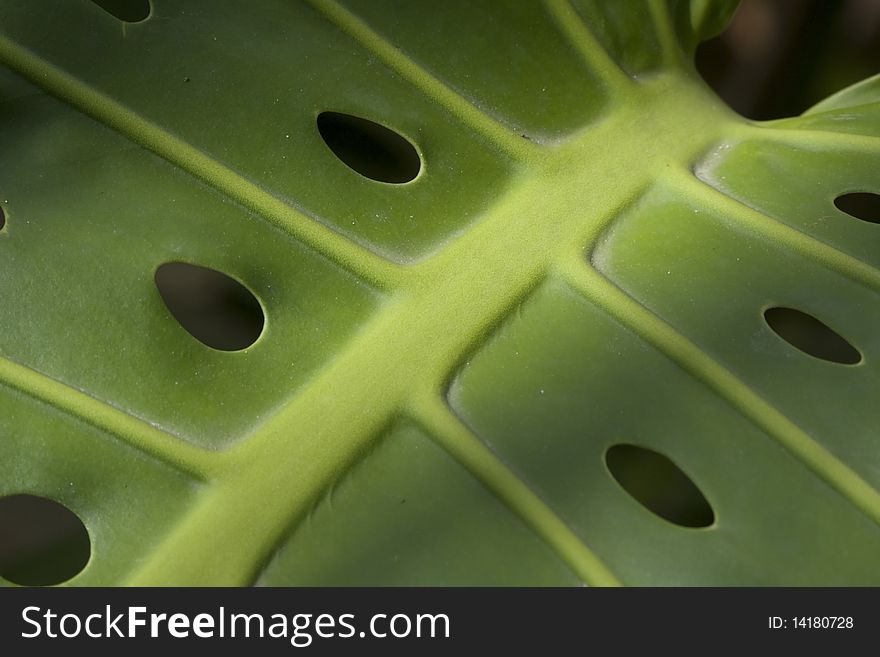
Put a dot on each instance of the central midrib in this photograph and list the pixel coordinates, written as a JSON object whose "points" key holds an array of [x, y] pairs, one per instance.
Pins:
{"points": [[447, 306]]}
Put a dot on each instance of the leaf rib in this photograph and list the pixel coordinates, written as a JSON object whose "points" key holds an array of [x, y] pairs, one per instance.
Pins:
{"points": [[446, 428], [693, 187], [665, 30], [133, 431], [572, 26], [592, 285], [462, 108], [789, 133], [290, 220]]}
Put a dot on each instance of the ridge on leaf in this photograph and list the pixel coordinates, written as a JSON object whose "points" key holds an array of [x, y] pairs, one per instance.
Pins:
{"points": [[583, 260]]}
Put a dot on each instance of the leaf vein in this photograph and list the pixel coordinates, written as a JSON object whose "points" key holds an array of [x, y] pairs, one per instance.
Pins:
{"points": [[592, 285]]}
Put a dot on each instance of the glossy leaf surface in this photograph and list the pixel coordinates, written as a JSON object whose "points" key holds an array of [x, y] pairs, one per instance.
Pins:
{"points": [[583, 260]]}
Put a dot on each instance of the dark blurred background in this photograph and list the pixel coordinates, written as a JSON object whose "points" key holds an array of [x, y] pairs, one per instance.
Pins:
{"points": [[777, 58]]}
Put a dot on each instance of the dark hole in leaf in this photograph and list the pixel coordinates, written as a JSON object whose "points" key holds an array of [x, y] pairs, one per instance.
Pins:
{"points": [[128, 11], [861, 205], [215, 308], [370, 149], [811, 336], [659, 485], [2, 218], [42, 542]]}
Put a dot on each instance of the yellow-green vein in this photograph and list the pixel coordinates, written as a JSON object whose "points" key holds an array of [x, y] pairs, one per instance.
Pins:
{"points": [[591, 284], [588, 47], [377, 270], [167, 447], [686, 183], [789, 133], [443, 426], [457, 105], [673, 56]]}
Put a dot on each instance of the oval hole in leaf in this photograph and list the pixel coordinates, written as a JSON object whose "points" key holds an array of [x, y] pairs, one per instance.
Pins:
{"points": [[659, 485], [861, 205], [214, 308], [2, 218], [128, 11], [805, 332], [370, 149], [42, 542]]}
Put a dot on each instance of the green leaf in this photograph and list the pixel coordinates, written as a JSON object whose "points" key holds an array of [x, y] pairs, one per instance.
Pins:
{"points": [[587, 256], [866, 92]]}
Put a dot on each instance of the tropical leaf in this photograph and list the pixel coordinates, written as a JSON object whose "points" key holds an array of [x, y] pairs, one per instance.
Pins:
{"points": [[519, 300]]}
